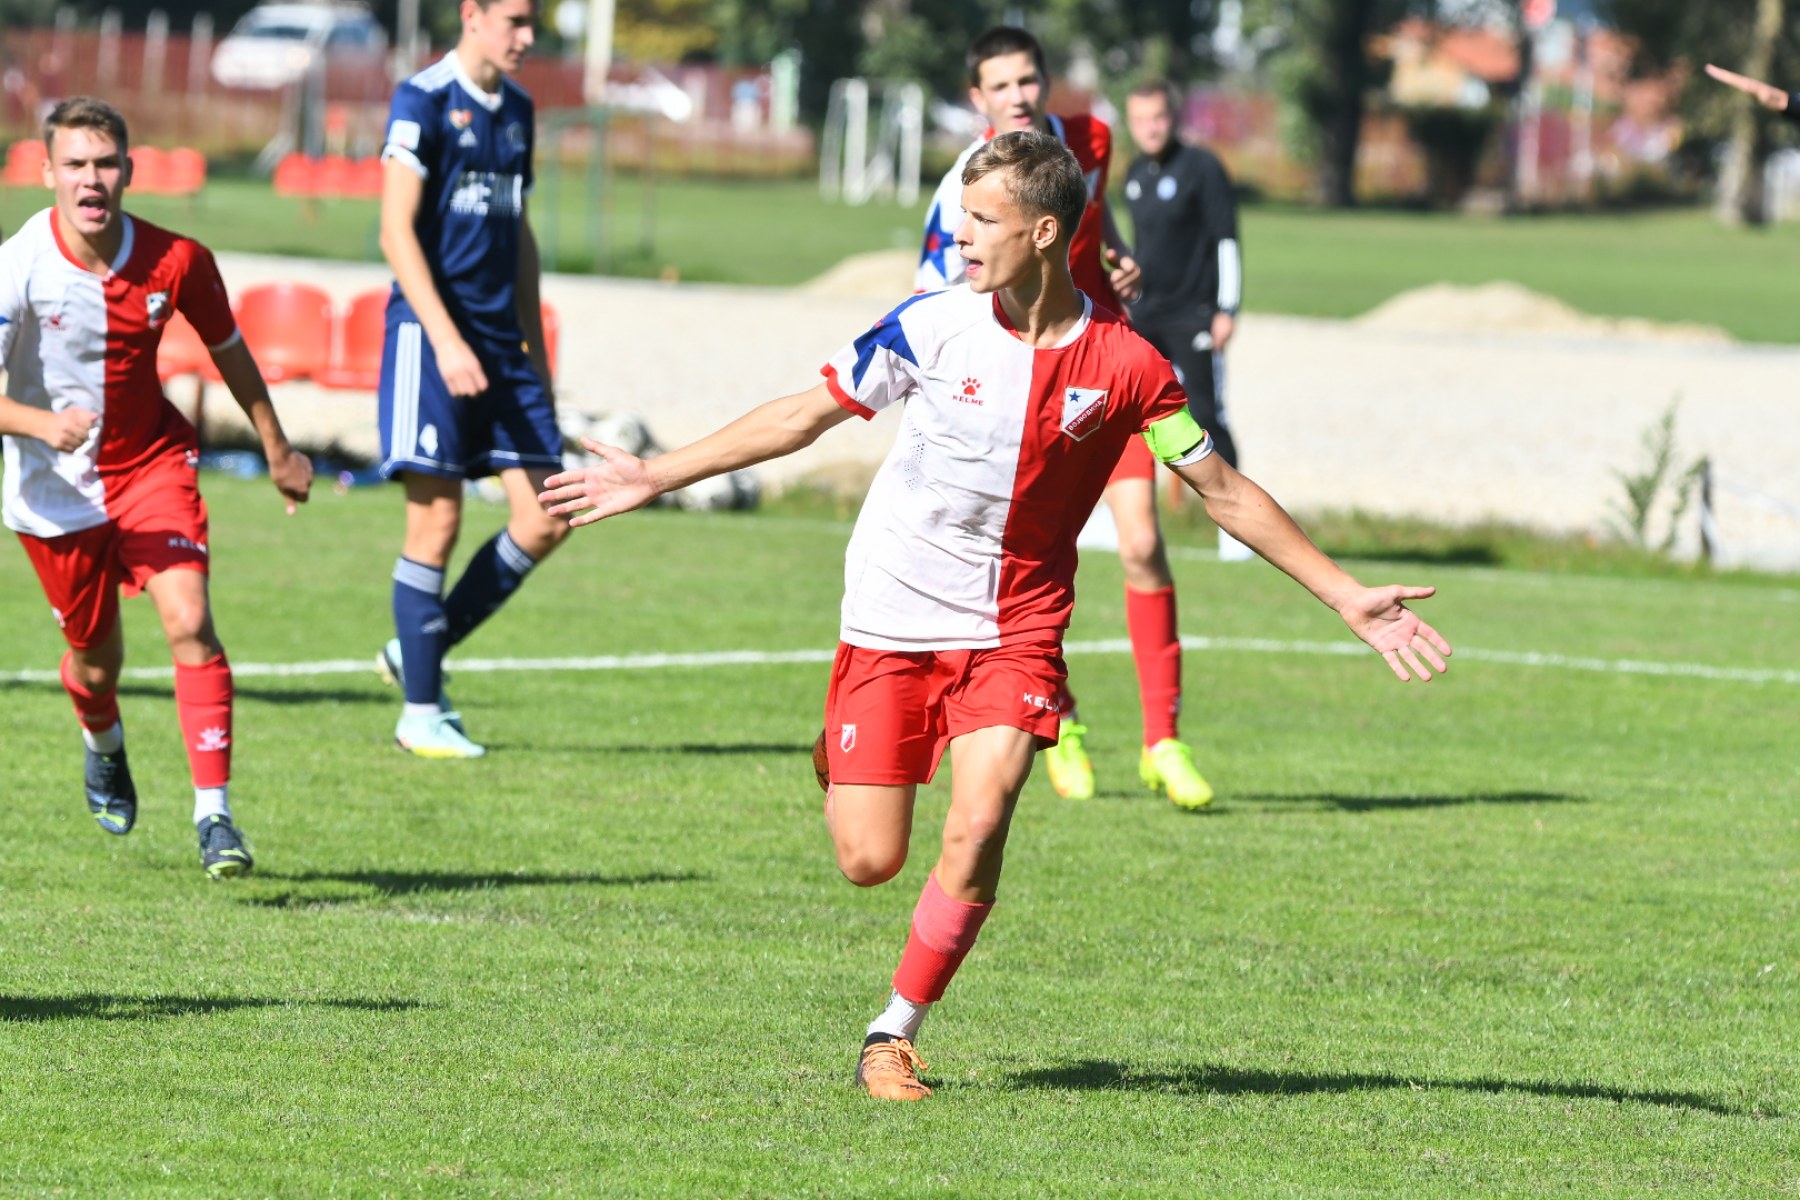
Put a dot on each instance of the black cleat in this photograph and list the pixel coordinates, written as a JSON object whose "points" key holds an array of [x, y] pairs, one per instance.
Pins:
{"points": [[111, 796], [223, 854]]}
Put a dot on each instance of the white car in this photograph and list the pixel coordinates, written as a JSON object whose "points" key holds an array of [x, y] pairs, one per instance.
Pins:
{"points": [[274, 44]]}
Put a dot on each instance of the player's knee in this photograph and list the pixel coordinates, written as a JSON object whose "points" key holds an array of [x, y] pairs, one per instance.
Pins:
{"points": [[868, 866], [974, 836]]}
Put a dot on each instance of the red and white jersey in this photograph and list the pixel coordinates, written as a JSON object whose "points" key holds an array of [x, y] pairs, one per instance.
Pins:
{"points": [[941, 264], [967, 538], [71, 338]]}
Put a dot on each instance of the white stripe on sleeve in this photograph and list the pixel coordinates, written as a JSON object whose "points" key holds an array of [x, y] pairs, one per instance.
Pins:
{"points": [[1231, 275]]}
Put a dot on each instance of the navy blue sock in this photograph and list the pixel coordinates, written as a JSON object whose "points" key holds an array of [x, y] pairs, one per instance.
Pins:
{"points": [[494, 574], [419, 622]]}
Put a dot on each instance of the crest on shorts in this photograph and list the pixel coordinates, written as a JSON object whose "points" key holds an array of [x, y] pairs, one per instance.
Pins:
{"points": [[1082, 410], [460, 117], [847, 739], [156, 305]]}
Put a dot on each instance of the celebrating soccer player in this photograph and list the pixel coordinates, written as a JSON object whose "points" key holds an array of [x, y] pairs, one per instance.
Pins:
{"points": [[1008, 84], [465, 384], [1019, 395], [100, 467], [1185, 220]]}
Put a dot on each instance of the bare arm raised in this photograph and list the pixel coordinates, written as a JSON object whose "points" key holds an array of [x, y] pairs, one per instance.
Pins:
{"points": [[1378, 616], [1766, 94], [623, 481]]}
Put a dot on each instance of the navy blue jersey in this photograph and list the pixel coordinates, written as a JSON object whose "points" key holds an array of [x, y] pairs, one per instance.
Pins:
{"points": [[473, 150]]}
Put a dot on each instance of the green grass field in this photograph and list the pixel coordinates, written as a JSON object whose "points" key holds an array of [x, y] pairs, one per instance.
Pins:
{"points": [[1530, 931], [1671, 265]]}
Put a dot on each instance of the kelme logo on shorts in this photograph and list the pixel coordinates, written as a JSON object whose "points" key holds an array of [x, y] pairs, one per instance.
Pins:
{"points": [[847, 739], [1082, 410]]}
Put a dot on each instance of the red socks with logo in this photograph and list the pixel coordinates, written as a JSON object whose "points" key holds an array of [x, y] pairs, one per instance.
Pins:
{"points": [[203, 705], [943, 933], [1150, 616], [97, 711]]}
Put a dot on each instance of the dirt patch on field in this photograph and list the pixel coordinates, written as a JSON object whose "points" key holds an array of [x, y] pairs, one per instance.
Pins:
{"points": [[1511, 308], [881, 275]]}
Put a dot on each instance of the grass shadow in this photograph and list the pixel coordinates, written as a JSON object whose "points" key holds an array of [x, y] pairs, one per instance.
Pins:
{"points": [[88, 1006], [391, 885], [1467, 554], [1098, 1075], [1350, 803], [717, 748]]}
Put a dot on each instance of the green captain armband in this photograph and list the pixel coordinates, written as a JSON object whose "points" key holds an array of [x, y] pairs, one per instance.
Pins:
{"points": [[1178, 440]]}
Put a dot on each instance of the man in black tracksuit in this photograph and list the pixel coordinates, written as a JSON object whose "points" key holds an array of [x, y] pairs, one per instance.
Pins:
{"points": [[1185, 220]]}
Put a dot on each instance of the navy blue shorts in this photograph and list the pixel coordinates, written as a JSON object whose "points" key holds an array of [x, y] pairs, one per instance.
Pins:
{"points": [[426, 429]]}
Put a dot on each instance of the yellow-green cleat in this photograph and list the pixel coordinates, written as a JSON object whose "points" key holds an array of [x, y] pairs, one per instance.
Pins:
{"points": [[1071, 772], [1169, 766]]}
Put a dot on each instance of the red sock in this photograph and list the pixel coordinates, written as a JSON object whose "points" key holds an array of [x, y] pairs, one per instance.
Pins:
{"points": [[943, 933], [203, 704], [97, 711], [1151, 618]]}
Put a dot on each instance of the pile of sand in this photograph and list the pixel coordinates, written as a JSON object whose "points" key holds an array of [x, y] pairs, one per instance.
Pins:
{"points": [[1503, 307], [880, 275]]}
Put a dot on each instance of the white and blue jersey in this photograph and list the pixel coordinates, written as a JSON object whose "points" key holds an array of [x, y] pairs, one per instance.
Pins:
{"points": [[473, 150]]}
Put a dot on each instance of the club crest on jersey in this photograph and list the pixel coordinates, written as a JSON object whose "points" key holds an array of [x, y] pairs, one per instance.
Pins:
{"points": [[1083, 409], [156, 306], [460, 117], [847, 739]]}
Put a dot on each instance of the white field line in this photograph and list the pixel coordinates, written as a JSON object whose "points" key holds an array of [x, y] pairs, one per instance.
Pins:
{"points": [[757, 658]]}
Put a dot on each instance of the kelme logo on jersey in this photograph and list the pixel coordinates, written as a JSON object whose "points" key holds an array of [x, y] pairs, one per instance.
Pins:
{"points": [[1083, 409]]}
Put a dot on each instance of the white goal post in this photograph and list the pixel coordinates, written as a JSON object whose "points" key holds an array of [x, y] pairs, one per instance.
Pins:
{"points": [[871, 144]]}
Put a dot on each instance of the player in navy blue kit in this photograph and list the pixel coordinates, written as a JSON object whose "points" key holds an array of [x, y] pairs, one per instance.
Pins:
{"points": [[1184, 220], [465, 385]]}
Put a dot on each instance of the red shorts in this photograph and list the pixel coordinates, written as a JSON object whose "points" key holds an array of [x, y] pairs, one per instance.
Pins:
{"points": [[890, 713], [157, 523], [1135, 463]]}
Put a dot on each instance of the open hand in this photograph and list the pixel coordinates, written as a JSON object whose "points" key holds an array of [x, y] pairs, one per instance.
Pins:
{"points": [[619, 483], [1765, 94], [1379, 616]]}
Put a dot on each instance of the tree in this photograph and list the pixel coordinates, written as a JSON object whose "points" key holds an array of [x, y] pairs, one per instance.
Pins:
{"points": [[1319, 55], [1744, 35]]}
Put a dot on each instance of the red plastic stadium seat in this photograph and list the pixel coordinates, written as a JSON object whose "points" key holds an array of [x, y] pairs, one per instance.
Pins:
{"points": [[187, 171], [181, 352], [552, 331], [25, 163], [356, 345], [149, 171], [337, 176], [288, 329], [366, 177], [295, 176]]}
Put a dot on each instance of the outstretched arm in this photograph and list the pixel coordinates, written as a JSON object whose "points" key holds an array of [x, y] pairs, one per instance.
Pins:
{"points": [[1378, 616], [290, 471], [1766, 94], [623, 481]]}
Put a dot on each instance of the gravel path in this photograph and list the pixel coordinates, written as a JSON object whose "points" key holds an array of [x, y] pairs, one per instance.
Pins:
{"points": [[1437, 422]]}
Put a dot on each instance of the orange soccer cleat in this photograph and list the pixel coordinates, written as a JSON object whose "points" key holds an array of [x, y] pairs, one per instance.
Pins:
{"points": [[890, 1070]]}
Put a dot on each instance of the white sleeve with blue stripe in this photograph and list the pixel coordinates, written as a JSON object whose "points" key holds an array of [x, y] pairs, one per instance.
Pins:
{"points": [[878, 368], [12, 298]]}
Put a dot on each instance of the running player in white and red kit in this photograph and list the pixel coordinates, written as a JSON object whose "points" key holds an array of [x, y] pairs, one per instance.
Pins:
{"points": [[1019, 395], [1008, 84], [100, 467]]}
